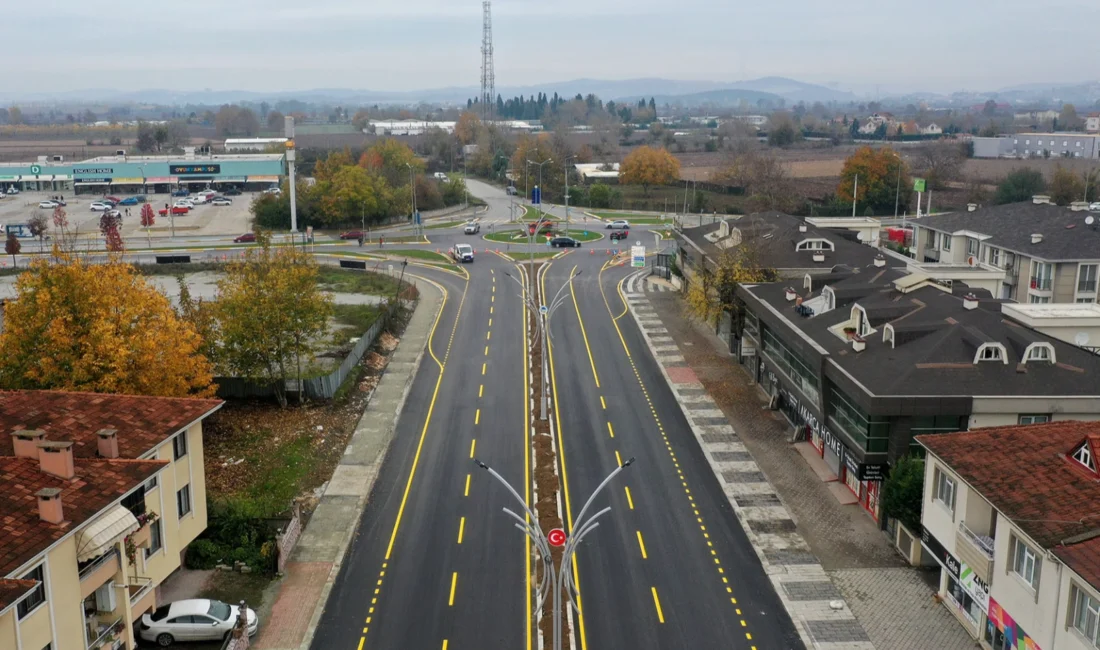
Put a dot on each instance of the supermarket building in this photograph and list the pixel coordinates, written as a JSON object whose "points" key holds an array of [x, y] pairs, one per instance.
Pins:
{"points": [[145, 174]]}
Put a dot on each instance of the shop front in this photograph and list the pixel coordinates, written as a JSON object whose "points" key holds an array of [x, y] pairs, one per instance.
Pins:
{"points": [[1002, 632], [963, 592]]}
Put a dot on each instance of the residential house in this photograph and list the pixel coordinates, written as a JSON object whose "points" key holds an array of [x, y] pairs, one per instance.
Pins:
{"points": [[931, 129], [99, 497], [862, 359], [1092, 123], [602, 172], [1034, 116], [1049, 254], [872, 122], [1010, 516]]}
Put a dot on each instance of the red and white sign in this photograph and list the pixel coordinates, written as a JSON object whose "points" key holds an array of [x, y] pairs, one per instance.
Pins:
{"points": [[556, 537]]}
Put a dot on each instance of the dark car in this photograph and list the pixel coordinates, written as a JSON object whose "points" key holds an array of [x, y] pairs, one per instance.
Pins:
{"points": [[564, 242], [231, 191], [181, 192], [352, 234], [619, 234], [245, 238]]}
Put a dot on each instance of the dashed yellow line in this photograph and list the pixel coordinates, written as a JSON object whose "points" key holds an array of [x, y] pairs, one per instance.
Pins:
{"points": [[488, 335], [641, 545], [584, 334], [629, 500], [603, 403], [490, 322], [657, 603], [444, 644], [473, 445], [477, 420], [462, 529], [618, 458], [486, 350], [481, 390], [467, 493], [483, 366], [454, 583], [611, 431]]}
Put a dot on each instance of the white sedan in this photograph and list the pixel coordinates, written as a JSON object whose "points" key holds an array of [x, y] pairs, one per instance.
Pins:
{"points": [[1094, 207], [193, 620], [100, 206], [221, 200], [49, 205], [620, 224]]}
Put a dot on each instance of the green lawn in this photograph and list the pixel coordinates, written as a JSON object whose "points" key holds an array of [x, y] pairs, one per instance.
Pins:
{"points": [[356, 318], [402, 239], [430, 256], [354, 281], [519, 236], [447, 224], [631, 217]]}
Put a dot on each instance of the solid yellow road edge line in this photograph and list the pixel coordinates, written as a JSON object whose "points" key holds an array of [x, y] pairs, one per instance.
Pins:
{"points": [[526, 465]]}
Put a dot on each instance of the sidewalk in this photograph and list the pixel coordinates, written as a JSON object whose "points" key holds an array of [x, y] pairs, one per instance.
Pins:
{"points": [[891, 602], [315, 561]]}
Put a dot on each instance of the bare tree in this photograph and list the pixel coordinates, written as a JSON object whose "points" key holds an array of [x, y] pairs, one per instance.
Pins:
{"points": [[940, 162], [765, 179]]}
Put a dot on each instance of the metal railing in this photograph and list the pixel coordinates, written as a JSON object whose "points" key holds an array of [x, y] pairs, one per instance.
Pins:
{"points": [[112, 629], [145, 585], [984, 543], [95, 566], [1041, 284]]}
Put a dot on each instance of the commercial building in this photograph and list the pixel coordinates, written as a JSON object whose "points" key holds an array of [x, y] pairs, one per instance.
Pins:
{"points": [[99, 497], [252, 144], [1038, 145], [1037, 252], [862, 359], [145, 174], [1010, 516]]}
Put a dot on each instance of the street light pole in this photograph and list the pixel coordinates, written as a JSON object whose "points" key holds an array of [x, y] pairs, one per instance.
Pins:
{"points": [[553, 579], [412, 190]]}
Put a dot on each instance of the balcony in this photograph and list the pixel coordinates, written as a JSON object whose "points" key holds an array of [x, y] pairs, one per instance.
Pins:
{"points": [[98, 571], [976, 550], [1040, 286], [108, 636]]}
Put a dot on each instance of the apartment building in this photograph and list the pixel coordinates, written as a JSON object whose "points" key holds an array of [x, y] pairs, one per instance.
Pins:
{"points": [[1048, 253], [1038, 145], [863, 359], [99, 497], [1010, 516]]}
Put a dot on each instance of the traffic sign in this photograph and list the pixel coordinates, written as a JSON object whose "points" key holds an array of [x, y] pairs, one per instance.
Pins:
{"points": [[637, 256], [556, 537], [536, 195], [543, 309]]}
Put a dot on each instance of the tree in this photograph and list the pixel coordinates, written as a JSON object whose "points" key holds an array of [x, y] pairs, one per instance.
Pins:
{"points": [[764, 178], [15, 115], [648, 166], [903, 492], [109, 225], [599, 196], [236, 120], [990, 108], [98, 327], [361, 119], [468, 127], [275, 121], [1066, 187], [12, 247], [148, 218], [325, 169], [781, 130], [940, 163], [354, 192], [146, 138], [1020, 185], [1068, 119], [880, 186], [711, 289], [38, 224], [270, 310], [391, 158]]}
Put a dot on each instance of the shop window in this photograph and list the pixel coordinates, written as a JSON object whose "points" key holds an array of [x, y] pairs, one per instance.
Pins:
{"points": [[871, 432], [962, 600], [792, 365]]}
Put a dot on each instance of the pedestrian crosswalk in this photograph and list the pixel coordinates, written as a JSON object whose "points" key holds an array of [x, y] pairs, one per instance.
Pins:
{"points": [[641, 281]]}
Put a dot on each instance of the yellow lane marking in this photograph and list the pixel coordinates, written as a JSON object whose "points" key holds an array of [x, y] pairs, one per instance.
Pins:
{"points": [[492, 298], [629, 500], [454, 583], [467, 493], [618, 458], [473, 445], [477, 420], [657, 602], [584, 334], [362, 640], [610, 430], [483, 368], [522, 357], [481, 390], [641, 545], [491, 310], [462, 529], [494, 289], [490, 322], [486, 350], [444, 644], [603, 403], [488, 335]]}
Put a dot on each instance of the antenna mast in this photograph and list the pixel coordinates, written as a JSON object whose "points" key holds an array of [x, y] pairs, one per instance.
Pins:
{"points": [[488, 80]]}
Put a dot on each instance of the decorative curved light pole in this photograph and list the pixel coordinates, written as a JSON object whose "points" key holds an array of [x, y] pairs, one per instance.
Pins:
{"points": [[554, 580]]}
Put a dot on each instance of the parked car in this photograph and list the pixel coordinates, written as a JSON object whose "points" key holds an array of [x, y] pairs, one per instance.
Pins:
{"points": [[564, 242], [472, 228], [245, 238], [619, 234], [273, 190], [114, 213], [1094, 207], [49, 205], [130, 200], [510, 190], [181, 192], [621, 223], [12, 190], [221, 200], [232, 191], [197, 619], [198, 199], [352, 234], [440, 176], [112, 199], [462, 253], [100, 206], [176, 209]]}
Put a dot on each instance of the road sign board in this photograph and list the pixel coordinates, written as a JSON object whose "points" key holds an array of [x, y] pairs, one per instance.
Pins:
{"points": [[543, 309], [536, 195], [36, 170], [556, 537], [918, 185], [416, 218], [637, 256]]}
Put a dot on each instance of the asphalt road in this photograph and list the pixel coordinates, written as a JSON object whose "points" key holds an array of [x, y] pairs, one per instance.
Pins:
{"points": [[671, 566]]}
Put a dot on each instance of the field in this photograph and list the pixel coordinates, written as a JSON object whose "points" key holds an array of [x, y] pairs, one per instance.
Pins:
{"points": [[633, 218]]}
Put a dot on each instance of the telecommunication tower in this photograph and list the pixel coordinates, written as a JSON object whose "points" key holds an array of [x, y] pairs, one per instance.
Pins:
{"points": [[488, 81]]}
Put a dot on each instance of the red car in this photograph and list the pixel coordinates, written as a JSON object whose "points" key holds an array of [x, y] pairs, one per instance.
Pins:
{"points": [[352, 234], [112, 199], [176, 209], [619, 234], [546, 228], [245, 238]]}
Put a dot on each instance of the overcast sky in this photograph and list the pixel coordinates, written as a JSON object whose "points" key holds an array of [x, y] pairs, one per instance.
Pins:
{"points": [[273, 45]]}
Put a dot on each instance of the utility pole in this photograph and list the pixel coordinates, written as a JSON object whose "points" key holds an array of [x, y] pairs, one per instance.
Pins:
{"points": [[288, 123], [412, 189], [567, 159], [855, 194]]}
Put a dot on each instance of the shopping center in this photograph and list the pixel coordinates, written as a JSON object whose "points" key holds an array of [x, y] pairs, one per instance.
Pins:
{"points": [[144, 174]]}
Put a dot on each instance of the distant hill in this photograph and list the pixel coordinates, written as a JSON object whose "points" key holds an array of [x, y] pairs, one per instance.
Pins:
{"points": [[726, 98], [794, 91]]}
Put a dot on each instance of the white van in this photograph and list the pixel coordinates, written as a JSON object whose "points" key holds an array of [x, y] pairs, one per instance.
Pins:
{"points": [[440, 176]]}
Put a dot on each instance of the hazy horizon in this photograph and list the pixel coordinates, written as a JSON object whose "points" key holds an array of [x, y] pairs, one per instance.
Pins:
{"points": [[279, 46]]}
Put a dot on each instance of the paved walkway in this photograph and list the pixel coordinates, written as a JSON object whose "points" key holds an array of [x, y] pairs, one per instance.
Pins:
{"points": [[315, 561], [793, 517]]}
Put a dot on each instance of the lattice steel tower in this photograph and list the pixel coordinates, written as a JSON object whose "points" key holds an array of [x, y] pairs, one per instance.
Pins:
{"points": [[488, 81]]}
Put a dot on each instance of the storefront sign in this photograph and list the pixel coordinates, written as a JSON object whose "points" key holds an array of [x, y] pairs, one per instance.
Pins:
{"points": [[194, 169], [808, 418], [93, 170], [159, 179], [99, 181], [1014, 636], [974, 586], [9, 178], [866, 471], [128, 181]]}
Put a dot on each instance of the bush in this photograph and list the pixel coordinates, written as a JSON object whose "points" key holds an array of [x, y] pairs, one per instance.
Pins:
{"points": [[903, 492], [1020, 185], [203, 554], [599, 196], [234, 533]]}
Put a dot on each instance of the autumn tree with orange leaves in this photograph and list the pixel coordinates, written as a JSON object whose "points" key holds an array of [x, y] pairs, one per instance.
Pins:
{"points": [[879, 183], [81, 326], [647, 166]]}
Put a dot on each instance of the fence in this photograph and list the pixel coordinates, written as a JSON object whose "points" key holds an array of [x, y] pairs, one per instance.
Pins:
{"points": [[323, 387], [287, 537]]}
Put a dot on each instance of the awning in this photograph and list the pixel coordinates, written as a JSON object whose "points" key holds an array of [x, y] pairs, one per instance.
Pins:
{"points": [[92, 183], [159, 179], [231, 179], [127, 181], [40, 177], [96, 538], [263, 179]]}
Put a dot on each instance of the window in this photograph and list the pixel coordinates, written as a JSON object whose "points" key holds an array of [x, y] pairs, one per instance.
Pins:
{"points": [[36, 597], [183, 501], [151, 484], [933, 239], [944, 490], [179, 446], [135, 501], [995, 256], [1086, 300], [1026, 563], [1039, 352], [1041, 274], [989, 353], [971, 246], [1064, 143], [1083, 455], [1086, 615], [947, 242], [1027, 142], [962, 600], [1015, 141], [871, 432], [790, 363], [1078, 143], [1035, 418], [1086, 278], [1035, 300], [814, 245], [156, 539]]}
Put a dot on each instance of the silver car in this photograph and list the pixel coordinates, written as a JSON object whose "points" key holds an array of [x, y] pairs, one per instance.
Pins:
{"points": [[472, 228], [193, 620]]}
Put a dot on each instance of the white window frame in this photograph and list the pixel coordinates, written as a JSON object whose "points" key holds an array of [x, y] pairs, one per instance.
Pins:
{"points": [[815, 245], [179, 445], [994, 256], [1094, 275], [1033, 418], [946, 242], [40, 567], [945, 491], [1085, 615], [1039, 352], [973, 247], [1025, 563], [991, 352]]}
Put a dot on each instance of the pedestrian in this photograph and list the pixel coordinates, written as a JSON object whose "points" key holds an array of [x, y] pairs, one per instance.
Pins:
{"points": [[381, 240], [360, 241]]}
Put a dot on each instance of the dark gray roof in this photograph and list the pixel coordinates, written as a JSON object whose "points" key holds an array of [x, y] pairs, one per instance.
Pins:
{"points": [[1065, 235], [773, 236], [936, 339]]}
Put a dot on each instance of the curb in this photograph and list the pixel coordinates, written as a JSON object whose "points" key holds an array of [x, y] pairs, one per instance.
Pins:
{"points": [[783, 553]]}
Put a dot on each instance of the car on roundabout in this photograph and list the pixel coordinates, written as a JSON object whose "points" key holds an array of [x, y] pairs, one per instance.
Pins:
{"points": [[245, 238], [472, 228], [619, 234], [564, 242], [462, 253], [619, 224]]}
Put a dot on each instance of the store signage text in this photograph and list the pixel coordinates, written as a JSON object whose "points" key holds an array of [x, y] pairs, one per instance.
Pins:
{"points": [[195, 169], [93, 170], [960, 571], [810, 420]]}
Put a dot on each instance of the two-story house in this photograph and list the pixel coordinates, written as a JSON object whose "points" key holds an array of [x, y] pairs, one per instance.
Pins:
{"points": [[863, 359], [1010, 515], [99, 497], [1048, 253]]}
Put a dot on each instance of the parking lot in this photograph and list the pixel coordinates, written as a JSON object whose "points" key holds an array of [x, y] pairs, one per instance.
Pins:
{"points": [[205, 219]]}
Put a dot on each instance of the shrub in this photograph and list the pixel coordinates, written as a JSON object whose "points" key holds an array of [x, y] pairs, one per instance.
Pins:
{"points": [[903, 492]]}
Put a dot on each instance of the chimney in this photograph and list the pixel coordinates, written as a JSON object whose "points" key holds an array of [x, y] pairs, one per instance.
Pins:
{"points": [[1079, 206], [819, 257], [26, 442], [790, 294], [49, 505], [802, 227], [1036, 237], [880, 261], [970, 207], [56, 458], [970, 301], [108, 443], [1040, 199]]}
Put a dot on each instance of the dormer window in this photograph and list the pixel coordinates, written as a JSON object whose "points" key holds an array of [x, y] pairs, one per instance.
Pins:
{"points": [[1039, 352], [814, 245], [1083, 455], [991, 352]]}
